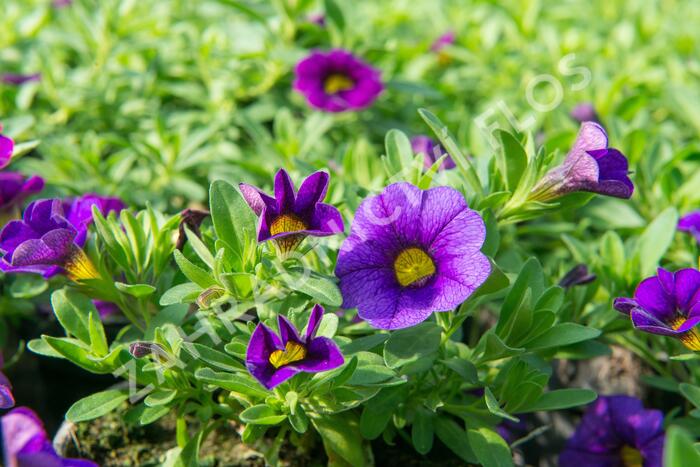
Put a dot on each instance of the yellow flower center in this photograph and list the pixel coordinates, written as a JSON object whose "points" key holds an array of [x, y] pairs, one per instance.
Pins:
{"points": [[691, 338], [293, 352], [286, 223], [336, 82], [413, 266], [631, 457], [79, 267]]}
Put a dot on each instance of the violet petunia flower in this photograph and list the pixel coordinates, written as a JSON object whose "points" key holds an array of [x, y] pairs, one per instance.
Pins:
{"points": [[411, 253], [585, 112], [17, 79], [691, 223], [14, 189], [7, 147], [667, 304], [290, 216], [26, 443], [589, 166], [616, 431], [443, 41], [336, 81], [273, 359], [47, 240], [431, 151], [7, 400]]}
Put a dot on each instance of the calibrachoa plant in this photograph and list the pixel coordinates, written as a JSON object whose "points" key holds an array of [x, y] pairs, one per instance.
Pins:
{"points": [[220, 208]]}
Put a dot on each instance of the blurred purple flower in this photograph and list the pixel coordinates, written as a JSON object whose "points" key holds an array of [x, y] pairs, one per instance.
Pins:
{"points": [[431, 151], [691, 223], [667, 304], [47, 240], [443, 41], [106, 308], [7, 400], [26, 443], [336, 81], [17, 79], [7, 147], [273, 359], [318, 19], [578, 275], [616, 431], [411, 253], [585, 112], [14, 189], [589, 166], [61, 3], [290, 216]]}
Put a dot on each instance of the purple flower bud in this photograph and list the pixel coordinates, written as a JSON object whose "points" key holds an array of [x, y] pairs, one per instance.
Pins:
{"points": [[578, 275], [691, 223], [144, 349], [17, 79], [585, 112], [431, 151]]}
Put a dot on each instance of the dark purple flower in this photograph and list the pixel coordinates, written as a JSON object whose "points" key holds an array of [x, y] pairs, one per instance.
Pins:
{"points": [[443, 41], [14, 189], [17, 79], [411, 253], [336, 81], [616, 431], [26, 443], [585, 112], [691, 223], [431, 151], [290, 216], [7, 147], [667, 304], [192, 219], [578, 275], [106, 308], [7, 400], [273, 359], [589, 166], [47, 240]]}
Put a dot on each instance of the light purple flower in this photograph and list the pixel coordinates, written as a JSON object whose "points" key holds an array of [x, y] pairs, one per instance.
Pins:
{"points": [[7, 400], [47, 240], [26, 443], [336, 81], [7, 147], [616, 431], [411, 253], [61, 3], [318, 19], [18, 79], [667, 304], [585, 112], [290, 216], [273, 359], [443, 41], [691, 223], [589, 166], [431, 151], [14, 189]]}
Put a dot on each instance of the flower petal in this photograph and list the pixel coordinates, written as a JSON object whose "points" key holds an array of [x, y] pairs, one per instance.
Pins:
{"points": [[312, 190], [322, 355], [650, 296], [314, 320], [285, 194]]}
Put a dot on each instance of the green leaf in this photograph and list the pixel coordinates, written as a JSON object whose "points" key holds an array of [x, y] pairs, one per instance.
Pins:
{"points": [[513, 159], [691, 392], [72, 309], [160, 397], [410, 344], [341, 438], [378, 411], [234, 221], [455, 438], [680, 450], [181, 293], [464, 368], [28, 286], [561, 335], [135, 290], [213, 357], [96, 405], [234, 382], [261, 415], [654, 241], [334, 13], [422, 432], [321, 289], [328, 325], [193, 272], [490, 448], [530, 279], [495, 408], [562, 399], [98, 339]]}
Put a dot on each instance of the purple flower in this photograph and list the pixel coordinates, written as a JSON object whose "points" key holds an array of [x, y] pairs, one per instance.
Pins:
{"points": [[7, 400], [26, 443], [667, 304], [14, 188], [691, 223], [106, 308], [61, 3], [336, 81], [578, 275], [318, 19], [585, 112], [411, 253], [17, 79], [431, 151], [48, 238], [616, 431], [273, 359], [443, 41], [7, 147], [290, 216], [589, 166]]}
